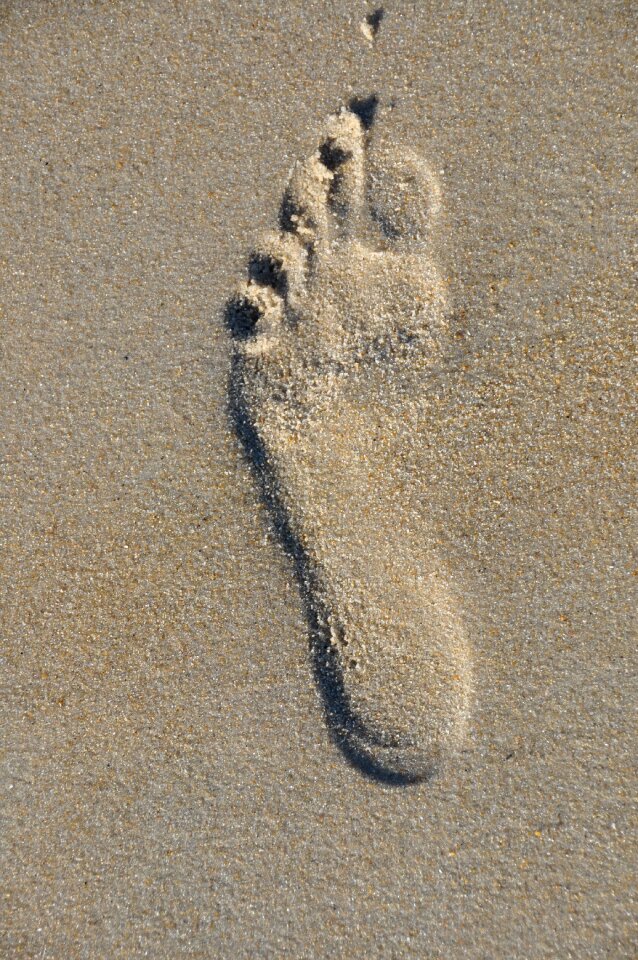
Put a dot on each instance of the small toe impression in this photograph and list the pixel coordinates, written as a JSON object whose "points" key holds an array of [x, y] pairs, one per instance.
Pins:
{"points": [[344, 141], [343, 154], [365, 108], [254, 317], [280, 262], [303, 209], [242, 316], [275, 278], [268, 270], [404, 196]]}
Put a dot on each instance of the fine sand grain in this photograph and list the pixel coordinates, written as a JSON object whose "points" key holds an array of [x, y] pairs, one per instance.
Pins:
{"points": [[318, 529]]}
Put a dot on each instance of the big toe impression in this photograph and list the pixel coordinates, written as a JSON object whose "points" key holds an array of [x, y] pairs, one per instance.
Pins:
{"points": [[405, 195]]}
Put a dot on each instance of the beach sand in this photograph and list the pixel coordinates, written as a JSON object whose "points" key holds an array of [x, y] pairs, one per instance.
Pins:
{"points": [[170, 785]]}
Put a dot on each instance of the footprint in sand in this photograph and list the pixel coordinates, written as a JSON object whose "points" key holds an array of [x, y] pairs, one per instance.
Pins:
{"points": [[341, 304]]}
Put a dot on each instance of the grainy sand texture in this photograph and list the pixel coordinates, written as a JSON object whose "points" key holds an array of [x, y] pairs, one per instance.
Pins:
{"points": [[318, 425]]}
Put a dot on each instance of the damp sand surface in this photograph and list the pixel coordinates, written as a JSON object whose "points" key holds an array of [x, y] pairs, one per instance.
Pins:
{"points": [[171, 785]]}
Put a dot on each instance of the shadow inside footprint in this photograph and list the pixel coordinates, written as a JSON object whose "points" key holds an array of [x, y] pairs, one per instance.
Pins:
{"points": [[241, 317], [353, 737], [365, 108]]}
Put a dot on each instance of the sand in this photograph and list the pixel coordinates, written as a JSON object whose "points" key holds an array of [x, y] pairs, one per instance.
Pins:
{"points": [[170, 785]]}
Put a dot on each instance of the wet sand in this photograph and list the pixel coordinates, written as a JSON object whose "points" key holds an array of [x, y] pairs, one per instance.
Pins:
{"points": [[170, 787]]}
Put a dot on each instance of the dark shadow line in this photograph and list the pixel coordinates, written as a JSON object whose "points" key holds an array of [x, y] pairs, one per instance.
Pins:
{"points": [[343, 723], [365, 108]]}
